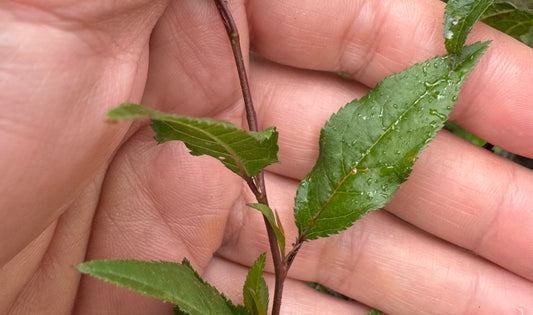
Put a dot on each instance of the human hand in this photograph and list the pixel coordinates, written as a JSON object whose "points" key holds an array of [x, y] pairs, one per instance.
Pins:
{"points": [[158, 203]]}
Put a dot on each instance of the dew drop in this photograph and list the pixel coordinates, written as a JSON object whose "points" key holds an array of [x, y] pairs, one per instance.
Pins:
{"points": [[455, 20], [385, 171], [431, 85], [448, 34], [434, 112]]}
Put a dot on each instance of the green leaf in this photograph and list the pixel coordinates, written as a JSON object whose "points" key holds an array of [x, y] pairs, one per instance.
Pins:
{"points": [[177, 311], [458, 131], [368, 147], [374, 312], [255, 290], [459, 18], [506, 17], [169, 282], [275, 223], [243, 152]]}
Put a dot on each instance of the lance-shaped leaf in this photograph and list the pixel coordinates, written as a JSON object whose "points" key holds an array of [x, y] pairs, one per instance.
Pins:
{"points": [[459, 18], [170, 282], [243, 152], [274, 222], [507, 18], [255, 290], [368, 147]]}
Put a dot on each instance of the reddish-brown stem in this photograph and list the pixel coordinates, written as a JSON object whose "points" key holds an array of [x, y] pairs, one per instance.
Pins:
{"points": [[256, 184]]}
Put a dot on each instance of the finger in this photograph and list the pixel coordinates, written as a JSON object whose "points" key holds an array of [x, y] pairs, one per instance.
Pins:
{"points": [[472, 198], [192, 69], [373, 39], [298, 298], [384, 262], [61, 69], [159, 203], [42, 278], [457, 191]]}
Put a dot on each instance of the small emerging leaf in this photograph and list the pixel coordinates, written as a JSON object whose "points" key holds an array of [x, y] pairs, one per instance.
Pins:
{"points": [[243, 152], [368, 147], [275, 223], [255, 290], [459, 18], [169, 282], [374, 312], [504, 16]]}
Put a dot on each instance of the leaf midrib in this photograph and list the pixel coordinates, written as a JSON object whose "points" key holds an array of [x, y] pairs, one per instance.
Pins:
{"points": [[343, 180]]}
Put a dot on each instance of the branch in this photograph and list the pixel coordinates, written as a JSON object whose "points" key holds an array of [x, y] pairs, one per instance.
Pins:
{"points": [[257, 185]]}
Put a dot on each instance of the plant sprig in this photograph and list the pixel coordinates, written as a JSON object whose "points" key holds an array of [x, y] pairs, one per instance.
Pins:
{"points": [[367, 150]]}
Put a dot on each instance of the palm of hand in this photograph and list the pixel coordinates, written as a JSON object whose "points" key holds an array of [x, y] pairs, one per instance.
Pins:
{"points": [[158, 203]]}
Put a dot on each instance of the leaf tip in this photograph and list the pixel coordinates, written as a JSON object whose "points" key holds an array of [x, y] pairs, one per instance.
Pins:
{"points": [[83, 267]]}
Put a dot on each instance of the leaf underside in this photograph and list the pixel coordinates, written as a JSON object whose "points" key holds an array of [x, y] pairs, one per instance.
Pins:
{"points": [[367, 149], [459, 18], [504, 16], [169, 282], [243, 152], [255, 290]]}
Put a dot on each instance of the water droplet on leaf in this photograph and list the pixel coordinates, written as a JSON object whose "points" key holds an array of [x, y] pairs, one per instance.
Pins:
{"points": [[436, 113]]}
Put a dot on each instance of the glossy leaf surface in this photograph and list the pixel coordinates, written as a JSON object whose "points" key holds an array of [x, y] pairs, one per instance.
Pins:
{"points": [[507, 18], [459, 18], [368, 147], [170, 282], [243, 152], [255, 290]]}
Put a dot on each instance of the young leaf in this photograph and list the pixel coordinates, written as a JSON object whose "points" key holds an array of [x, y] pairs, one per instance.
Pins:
{"points": [[275, 224], [459, 18], [255, 290], [170, 282], [368, 147], [243, 152], [507, 18], [374, 312]]}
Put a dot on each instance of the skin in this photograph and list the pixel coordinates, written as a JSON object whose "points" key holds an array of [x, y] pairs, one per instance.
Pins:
{"points": [[456, 238]]}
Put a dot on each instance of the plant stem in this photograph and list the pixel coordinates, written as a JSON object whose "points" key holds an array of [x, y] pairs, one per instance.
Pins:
{"points": [[256, 184], [233, 34]]}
